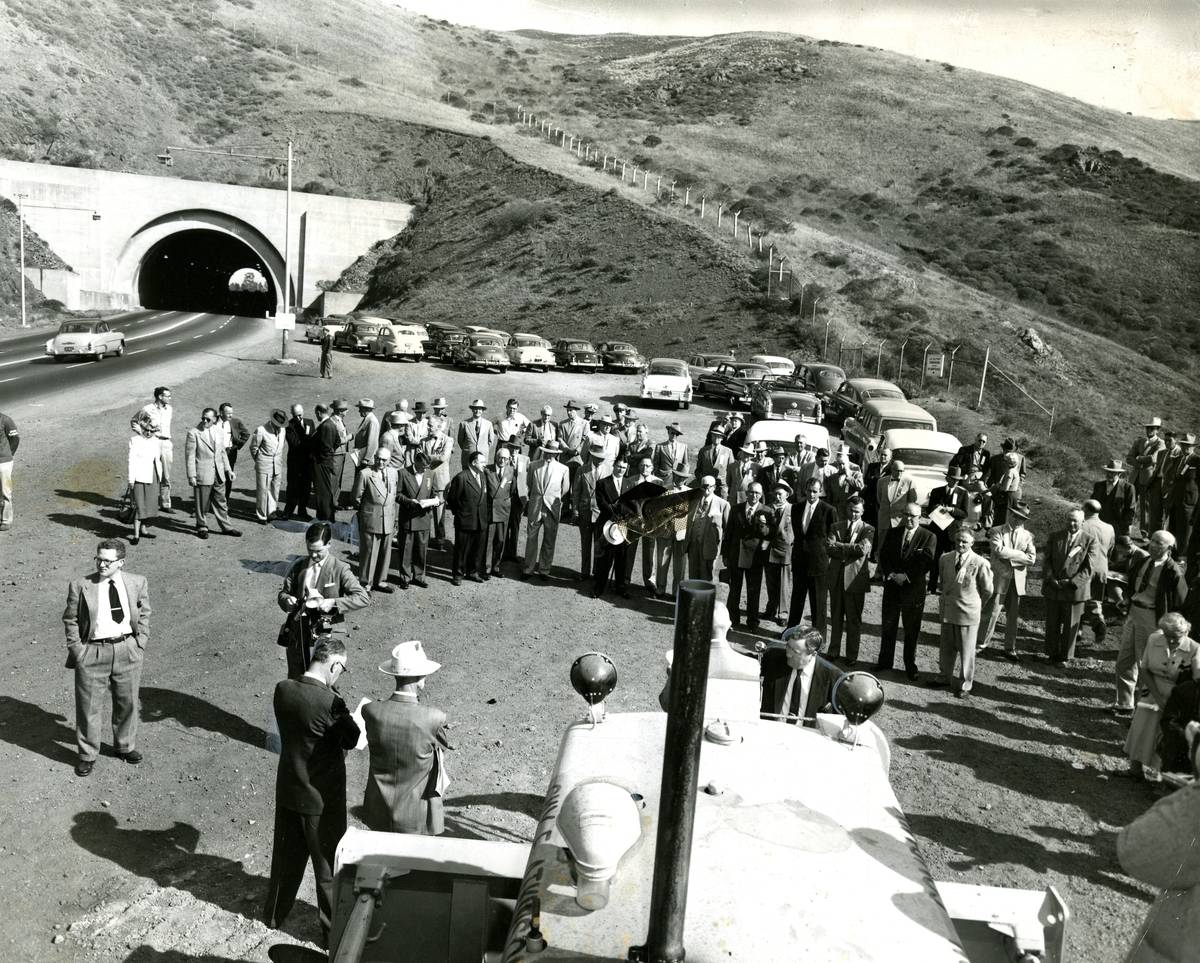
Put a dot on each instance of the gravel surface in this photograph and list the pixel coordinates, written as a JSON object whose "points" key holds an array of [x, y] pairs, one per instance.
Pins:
{"points": [[168, 861]]}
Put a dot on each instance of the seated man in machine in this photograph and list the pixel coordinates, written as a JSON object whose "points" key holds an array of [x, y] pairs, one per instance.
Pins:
{"points": [[796, 682]]}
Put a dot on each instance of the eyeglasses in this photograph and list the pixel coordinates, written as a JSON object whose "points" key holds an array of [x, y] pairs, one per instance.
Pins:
{"points": [[107, 561]]}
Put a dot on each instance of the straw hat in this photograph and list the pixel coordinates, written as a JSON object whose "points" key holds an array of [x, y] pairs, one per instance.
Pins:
{"points": [[409, 659]]}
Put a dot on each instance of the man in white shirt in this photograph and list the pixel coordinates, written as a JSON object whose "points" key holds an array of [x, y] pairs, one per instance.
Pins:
{"points": [[797, 683], [513, 424], [161, 412], [107, 622]]}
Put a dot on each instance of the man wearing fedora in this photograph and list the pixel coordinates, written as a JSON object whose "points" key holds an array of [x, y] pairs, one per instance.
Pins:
{"points": [[298, 435], [1118, 501], [467, 499], [1066, 583], [337, 418], [392, 438], [713, 460], [611, 557], [366, 440], [1105, 537], [602, 433], [1180, 490], [549, 487], [669, 552], [520, 498], [266, 451], [377, 522], [315, 730], [406, 740], [416, 501], [477, 434], [777, 574], [415, 431], [671, 455], [439, 446], [587, 509], [1013, 555], [572, 436], [955, 499], [1145, 455], [708, 517], [849, 579]]}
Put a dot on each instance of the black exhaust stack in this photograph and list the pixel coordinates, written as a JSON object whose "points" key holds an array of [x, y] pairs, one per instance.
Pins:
{"points": [[680, 774]]}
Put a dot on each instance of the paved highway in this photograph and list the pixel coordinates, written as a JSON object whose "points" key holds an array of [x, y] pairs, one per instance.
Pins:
{"points": [[27, 372]]}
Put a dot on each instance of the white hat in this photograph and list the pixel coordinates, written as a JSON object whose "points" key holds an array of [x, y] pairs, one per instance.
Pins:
{"points": [[409, 659]]}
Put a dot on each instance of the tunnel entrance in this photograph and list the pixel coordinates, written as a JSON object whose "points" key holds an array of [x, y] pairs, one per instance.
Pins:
{"points": [[190, 271]]}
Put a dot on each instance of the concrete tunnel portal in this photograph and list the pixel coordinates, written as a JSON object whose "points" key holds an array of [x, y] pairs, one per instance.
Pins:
{"points": [[190, 270]]}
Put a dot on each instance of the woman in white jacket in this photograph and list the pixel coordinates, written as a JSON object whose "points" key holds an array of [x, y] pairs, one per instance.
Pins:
{"points": [[145, 474]]}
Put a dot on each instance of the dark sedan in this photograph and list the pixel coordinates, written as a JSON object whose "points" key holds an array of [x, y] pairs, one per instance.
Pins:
{"points": [[853, 394], [770, 399], [731, 382], [819, 377], [482, 351], [621, 356], [357, 335], [570, 354]]}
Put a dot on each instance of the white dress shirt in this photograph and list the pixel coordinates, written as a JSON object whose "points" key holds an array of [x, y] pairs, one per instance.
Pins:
{"points": [[106, 627], [805, 676]]}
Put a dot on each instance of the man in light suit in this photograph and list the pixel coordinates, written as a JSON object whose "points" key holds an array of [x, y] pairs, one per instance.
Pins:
{"points": [[519, 499], [208, 470], [476, 434], [587, 510], [706, 524], [1066, 582], [714, 460], [572, 436], [366, 440], [894, 491], [644, 474], [1013, 554], [392, 437], [956, 500], [416, 501], [849, 579], [740, 475], [266, 450], [541, 432], [377, 522], [438, 446], [796, 682], [467, 499], [107, 623], [671, 455], [812, 522], [317, 581], [966, 585], [549, 487], [669, 546], [778, 570], [406, 740], [1105, 537]]}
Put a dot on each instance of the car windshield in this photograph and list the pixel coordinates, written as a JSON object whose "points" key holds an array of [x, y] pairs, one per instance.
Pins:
{"points": [[889, 423], [882, 393], [620, 346], [365, 328], [407, 332], [76, 327], [923, 458], [673, 368], [527, 342], [756, 373], [579, 346]]}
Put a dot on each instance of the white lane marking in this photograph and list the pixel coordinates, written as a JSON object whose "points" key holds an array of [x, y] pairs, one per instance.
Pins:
{"points": [[169, 343], [32, 357], [170, 327], [7, 380], [139, 351], [79, 365], [194, 337]]}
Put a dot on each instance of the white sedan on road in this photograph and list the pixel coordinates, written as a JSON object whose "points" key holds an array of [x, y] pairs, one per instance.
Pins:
{"points": [[667, 379], [88, 339]]}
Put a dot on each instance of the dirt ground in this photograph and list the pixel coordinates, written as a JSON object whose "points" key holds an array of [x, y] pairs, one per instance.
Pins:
{"points": [[168, 861]]}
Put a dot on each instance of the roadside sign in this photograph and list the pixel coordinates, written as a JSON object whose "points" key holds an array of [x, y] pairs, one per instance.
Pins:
{"points": [[935, 365], [285, 321]]}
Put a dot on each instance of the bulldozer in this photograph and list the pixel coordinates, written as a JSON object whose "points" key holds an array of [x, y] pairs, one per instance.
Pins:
{"points": [[706, 833]]}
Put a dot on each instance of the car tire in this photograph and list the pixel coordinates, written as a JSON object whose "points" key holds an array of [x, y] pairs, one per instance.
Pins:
{"points": [[678, 405], [99, 355], [120, 352], [687, 405]]}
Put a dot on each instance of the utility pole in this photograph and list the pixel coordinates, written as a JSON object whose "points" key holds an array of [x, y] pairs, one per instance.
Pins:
{"points": [[21, 279]]}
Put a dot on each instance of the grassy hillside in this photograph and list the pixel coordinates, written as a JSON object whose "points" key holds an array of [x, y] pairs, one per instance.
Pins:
{"points": [[917, 201]]}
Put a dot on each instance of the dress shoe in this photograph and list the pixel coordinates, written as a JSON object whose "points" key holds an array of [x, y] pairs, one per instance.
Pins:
{"points": [[1013, 657], [305, 517], [84, 767], [419, 583], [596, 593], [963, 694], [133, 757], [385, 589], [146, 534], [937, 684], [542, 576], [485, 577], [524, 576], [231, 532], [456, 580], [624, 593], [474, 578], [133, 539], [166, 510], [495, 572], [202, 533], [913, 674]]}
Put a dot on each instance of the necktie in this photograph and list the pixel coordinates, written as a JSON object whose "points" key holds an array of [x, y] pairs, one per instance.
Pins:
{"points": [[705, 506], [906, 541], [793, 708], [114, 602], [958, 563]]}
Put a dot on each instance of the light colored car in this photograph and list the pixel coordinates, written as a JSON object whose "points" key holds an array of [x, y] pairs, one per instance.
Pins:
{"points": [[86, 339], [780, 366], [926, 456], [482, 351], [530, 351], [398, 341], [778, 431], [863, 432], [314, 331], [667, 379], [701, 364]]}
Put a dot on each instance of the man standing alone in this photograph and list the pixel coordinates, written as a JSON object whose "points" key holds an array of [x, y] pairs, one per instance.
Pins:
{"points": [[107, 621], [315, 730]]}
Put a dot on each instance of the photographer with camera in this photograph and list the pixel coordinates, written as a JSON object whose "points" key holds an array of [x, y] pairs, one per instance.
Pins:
{"points": [[316, 591]]}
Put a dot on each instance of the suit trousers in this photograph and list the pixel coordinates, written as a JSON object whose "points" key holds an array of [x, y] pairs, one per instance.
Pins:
{"points": [[958, 641], [897, 609], [266, 490], [374, 558], [1139, 625], [647, 546], [779, 588], [325, 480], [752, 578], [813, 590], [300, 838], [416, 545], [497, 535], [611, 560], [1179, 523], [699, 567], [105, 667], [668, 554], [539, 542], [1012, 616], [356, 486], [1062, 628], [469, 551], [299, 486], [232, 455], [6, 493], [512, 537], [845, 610], [211, 497], [589, 539], [167, 457]]}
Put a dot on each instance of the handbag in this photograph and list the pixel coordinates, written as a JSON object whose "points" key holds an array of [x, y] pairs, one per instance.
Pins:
{"points": [[126, 512]]}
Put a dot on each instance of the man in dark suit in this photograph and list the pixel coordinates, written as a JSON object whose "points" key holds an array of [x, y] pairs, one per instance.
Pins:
{"points": [[236, 435], [586, 510], [746, 549], [812, 523], [406, 741], [953, 497], [714, 459], [1066, 582], [416, 502], [796, 682], [1118, 500], [323, 449], [315, 730], [849, 579], [502, 496], [905, 559], [467, 499], [611, 558], [298, 433], [972, 460], [107, 622], [316, 582], [379, 483]]}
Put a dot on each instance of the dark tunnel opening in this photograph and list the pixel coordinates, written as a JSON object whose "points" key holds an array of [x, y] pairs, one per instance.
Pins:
{"points": [[190, 271]]}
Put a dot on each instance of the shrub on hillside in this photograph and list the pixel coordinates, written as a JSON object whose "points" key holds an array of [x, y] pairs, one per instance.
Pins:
{"points": [[518, 214], [651, 140]]}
